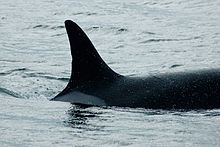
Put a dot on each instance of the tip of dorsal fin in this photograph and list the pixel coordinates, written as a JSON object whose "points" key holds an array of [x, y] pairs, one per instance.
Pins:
{"points": [[87, 65]]}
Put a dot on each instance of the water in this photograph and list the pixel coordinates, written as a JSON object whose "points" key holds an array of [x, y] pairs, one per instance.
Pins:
{"points": [[135, 38]]}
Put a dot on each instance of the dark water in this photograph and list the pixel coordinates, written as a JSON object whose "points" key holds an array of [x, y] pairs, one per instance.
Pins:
{"points": [[134, 37]]}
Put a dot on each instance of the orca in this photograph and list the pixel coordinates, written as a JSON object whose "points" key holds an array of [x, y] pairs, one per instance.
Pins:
{"points": [[93, 82]]}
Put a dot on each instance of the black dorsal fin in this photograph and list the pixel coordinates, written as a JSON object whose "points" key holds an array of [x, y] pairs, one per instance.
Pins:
{"points": [[87, 65]]}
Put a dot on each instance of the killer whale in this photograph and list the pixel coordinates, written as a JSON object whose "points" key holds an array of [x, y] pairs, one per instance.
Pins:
{"points": [[93, 82]]}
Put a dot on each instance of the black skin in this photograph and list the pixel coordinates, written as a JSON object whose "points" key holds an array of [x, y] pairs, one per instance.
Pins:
{"points": [[92, 76]]}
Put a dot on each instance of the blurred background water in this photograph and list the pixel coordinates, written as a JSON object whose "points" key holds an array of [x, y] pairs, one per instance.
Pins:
{"points": [[135, 38]]}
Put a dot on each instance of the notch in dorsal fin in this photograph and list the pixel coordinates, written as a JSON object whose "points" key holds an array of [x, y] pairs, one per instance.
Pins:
{"points": [[87, 65]]}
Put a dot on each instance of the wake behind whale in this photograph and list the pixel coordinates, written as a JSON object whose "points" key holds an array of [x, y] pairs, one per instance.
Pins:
{"points": [[93, 82]]}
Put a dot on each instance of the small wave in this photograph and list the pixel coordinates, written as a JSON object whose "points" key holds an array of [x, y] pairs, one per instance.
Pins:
{"points": [[122, 30], [42, 75], [9, 92], [57, 13], [179, 51], [89, 14], [9, 61], [85, 13], [78, 13], [47, 26], [150, 33], [119, 46], [57, 27], [119, 30], [159, 40], [168, 40], [60, 34], [199, 112], [40, 26], [26, 74], [141, 110], [150, 3], [14, 70], [56, 78], [210, 113], [93, 28], [155, 51], [176, 65], [213, 114]]}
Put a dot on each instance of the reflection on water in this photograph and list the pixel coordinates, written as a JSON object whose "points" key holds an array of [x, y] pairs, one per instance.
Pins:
{"points": [[79, 114], [62, 124]]}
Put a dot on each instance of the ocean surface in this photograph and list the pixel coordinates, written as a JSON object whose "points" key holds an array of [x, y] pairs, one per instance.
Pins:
{"points": [[135, 38]]}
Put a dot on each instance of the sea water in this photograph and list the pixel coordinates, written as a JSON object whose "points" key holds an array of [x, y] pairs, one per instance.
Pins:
{"points": [[135, 38]]}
